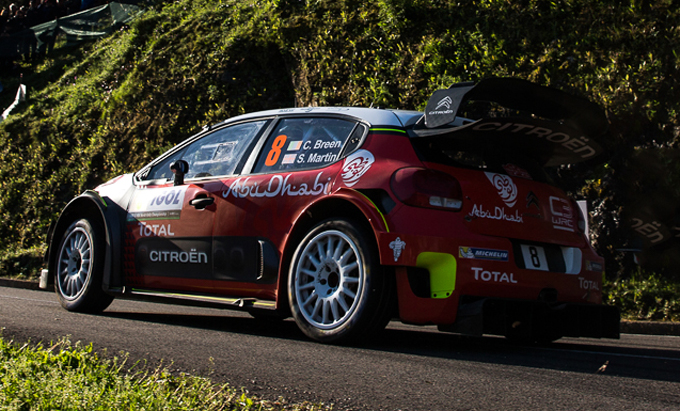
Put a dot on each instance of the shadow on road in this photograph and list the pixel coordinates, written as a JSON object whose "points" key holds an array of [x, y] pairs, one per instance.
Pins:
{"points": [[265, 327], [583, 355]]}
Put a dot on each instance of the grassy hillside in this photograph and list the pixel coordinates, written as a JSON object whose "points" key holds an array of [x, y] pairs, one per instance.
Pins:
{"points": [[110, 107]]}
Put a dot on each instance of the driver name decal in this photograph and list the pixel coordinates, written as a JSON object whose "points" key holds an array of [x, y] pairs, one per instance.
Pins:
{"points": [[356, 166]]}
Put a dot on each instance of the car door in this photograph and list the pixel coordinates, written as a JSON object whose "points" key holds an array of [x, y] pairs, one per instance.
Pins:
{"points": [[170, 227], [295, 166]]}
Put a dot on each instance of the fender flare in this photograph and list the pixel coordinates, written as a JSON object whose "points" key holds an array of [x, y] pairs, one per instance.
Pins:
{"points": [[91, 204], [368, 208], [362, 205], [306, 219]]}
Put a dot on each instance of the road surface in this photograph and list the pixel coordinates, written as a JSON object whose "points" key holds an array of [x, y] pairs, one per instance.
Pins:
{"points": [[407, 368]]}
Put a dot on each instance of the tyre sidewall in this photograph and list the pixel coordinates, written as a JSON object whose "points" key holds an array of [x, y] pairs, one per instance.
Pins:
{"points": [[92, 295], [361, 319]]}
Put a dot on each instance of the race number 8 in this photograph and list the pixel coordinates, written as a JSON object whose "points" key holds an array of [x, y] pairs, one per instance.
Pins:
{"points": [[275, 152], [535, 259]]}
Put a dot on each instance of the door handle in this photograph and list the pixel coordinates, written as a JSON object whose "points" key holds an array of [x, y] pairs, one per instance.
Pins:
{"points": [[202, 202]]}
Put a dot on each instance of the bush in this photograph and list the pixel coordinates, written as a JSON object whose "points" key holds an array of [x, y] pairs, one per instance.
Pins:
{"points": [[645, 296], [23, 264]]}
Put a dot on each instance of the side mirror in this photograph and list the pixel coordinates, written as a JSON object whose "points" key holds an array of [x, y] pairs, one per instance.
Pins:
{"points": [[179, 168]]}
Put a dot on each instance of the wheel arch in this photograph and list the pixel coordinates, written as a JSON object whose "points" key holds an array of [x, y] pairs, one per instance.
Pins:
{"points": [[346, 203], [92, 206]]}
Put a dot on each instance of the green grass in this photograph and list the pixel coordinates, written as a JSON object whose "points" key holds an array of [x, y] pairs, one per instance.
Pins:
{"points": [[67, 376]]}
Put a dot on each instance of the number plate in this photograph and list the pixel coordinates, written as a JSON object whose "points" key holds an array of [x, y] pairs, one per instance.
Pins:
{"points": [[534, 257]]}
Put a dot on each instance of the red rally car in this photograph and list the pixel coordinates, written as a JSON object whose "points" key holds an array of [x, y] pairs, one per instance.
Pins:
{"points": [[346, 218]]}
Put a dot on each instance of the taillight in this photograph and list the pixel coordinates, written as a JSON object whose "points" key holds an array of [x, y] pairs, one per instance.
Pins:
{"points": [[422, 187]]}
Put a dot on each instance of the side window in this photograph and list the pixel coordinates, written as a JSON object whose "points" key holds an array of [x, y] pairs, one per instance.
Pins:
{"points": [[216, 154], [162, 169], [302, 143]]}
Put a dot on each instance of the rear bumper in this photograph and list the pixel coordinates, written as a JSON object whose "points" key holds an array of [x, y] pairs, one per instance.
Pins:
{"points": [[534, 320]]}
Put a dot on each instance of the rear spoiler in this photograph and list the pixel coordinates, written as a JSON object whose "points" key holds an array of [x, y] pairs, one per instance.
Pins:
{"points": [[564, 126]]}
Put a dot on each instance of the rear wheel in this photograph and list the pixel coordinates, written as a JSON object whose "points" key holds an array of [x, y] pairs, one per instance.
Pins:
{"points": [[336, 287], [79, 267]]}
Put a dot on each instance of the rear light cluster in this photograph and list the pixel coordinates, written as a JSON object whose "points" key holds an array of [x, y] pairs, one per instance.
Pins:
{"points": [[428, 188]]}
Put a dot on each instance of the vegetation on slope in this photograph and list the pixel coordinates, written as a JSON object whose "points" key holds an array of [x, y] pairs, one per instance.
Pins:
{"points": [[112, 106], [66, 376]]}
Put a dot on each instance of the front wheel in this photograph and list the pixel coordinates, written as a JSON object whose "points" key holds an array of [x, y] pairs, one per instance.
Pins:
{"points": [[79, 267], [336, 287]]}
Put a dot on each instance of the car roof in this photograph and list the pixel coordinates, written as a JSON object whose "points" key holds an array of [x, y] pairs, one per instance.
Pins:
{"points": [[373, 116]]}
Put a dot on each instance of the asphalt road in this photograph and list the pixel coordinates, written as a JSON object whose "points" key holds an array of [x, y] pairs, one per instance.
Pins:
{"points": [[408, 368]]}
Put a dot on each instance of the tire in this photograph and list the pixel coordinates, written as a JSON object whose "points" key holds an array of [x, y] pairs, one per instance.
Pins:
{"points": [[79, 267], [336, 288]]}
